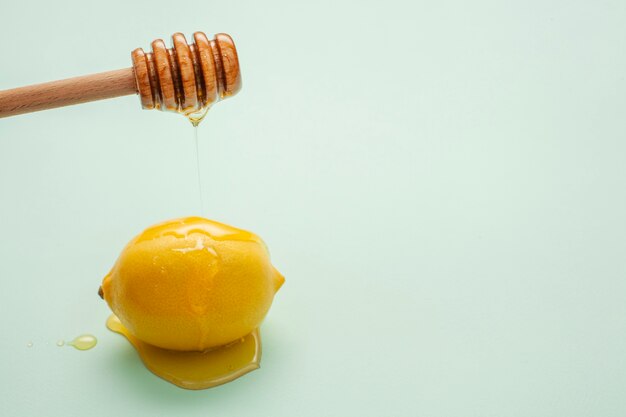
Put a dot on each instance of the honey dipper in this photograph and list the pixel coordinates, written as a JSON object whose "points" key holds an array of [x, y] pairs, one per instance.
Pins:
{"points": [[186, 78]]}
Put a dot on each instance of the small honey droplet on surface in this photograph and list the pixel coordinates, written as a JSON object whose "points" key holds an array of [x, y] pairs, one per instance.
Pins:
{"points": [[29, 344], [60, 343], [84, 342]]}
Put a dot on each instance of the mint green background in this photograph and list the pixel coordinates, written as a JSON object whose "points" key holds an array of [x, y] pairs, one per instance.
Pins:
{"points": [[442, 184]]}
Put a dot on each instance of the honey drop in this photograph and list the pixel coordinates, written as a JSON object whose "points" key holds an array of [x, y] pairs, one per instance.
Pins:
{"points": [[195, 117], [83, 342], [196, 370]]}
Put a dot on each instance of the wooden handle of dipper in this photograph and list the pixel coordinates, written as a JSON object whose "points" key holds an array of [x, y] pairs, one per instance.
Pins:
{"points": [[185, 78]]}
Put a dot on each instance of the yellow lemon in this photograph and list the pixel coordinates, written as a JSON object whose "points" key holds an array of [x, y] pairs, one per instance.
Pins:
{"points": [[192, 284]]}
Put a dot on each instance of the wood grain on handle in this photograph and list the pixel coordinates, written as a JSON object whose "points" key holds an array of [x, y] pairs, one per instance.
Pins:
{"points": [[66, 92], [187, 78]]}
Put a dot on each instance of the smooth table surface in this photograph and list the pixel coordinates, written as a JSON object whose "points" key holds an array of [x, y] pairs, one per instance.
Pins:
{"points": [[441, 183]]}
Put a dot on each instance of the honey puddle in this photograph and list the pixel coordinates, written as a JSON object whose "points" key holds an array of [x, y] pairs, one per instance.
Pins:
{"points": [[197, 370]]}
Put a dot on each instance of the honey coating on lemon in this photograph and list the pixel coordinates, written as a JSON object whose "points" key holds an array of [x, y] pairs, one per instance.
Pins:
{"points": [[193, 291]]}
